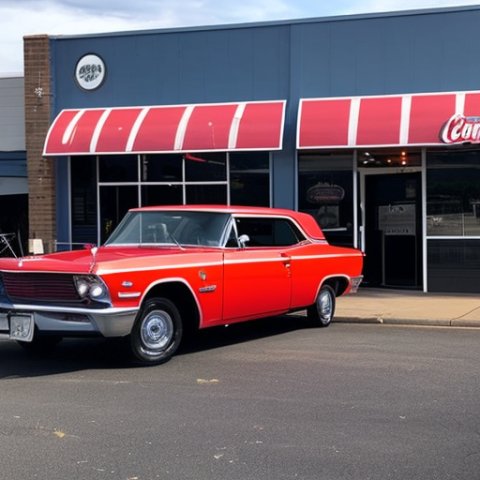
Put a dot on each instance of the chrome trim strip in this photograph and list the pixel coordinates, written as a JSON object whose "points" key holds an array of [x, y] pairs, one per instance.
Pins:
{"points": [[258, 260], [330, 255], [84, 311], [293, 257], [208, 289], [129, 294]]}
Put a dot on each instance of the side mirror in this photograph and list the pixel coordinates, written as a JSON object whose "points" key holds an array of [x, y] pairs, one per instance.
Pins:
{"points": [[243, 239]]}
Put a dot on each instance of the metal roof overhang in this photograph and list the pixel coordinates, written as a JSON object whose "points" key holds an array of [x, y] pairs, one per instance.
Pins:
{"points": [[429, 119], [167, 129]]}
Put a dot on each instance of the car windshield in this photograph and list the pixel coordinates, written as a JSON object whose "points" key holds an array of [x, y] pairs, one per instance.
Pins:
{"points": [[170, 228]]}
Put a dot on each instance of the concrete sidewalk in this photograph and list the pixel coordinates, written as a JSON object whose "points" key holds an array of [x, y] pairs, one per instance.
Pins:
{"points": [[409, 307]]}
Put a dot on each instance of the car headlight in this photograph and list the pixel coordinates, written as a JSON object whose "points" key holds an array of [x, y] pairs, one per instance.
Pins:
{"points": [[92, 287], [97, 291]]}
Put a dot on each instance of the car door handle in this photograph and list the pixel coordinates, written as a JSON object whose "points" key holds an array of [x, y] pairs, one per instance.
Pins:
{"points": [[286, 260]]}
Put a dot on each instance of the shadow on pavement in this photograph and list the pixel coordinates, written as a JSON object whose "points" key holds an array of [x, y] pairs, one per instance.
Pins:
{"points": [[73, 355]]}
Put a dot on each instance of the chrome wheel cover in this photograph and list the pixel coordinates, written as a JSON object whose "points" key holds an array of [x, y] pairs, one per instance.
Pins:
{"points": [[156, 330], [325, 306]]}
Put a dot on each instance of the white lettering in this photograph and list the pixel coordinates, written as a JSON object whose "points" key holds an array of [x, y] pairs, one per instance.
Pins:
{"points": [[461, 129]]}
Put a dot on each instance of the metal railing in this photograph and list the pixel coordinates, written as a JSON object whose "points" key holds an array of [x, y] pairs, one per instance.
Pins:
{"points": [[6, 248]]}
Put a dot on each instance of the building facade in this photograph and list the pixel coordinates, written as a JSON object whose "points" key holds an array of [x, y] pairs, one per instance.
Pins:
{"points": [[13, 167], [369, 122]]}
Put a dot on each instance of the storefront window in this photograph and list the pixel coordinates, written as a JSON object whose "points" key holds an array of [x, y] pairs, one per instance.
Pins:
{"points": [[205, 167], [325, 190], [212, 194], [250, 178], [129, 181], [453, 265], [84, 200], [453, 193], [162, 168], [114, 204], [162, 195], [118, 168]]}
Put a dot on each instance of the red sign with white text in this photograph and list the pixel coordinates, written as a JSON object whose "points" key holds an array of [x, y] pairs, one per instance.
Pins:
{"points": [[461, 129]]}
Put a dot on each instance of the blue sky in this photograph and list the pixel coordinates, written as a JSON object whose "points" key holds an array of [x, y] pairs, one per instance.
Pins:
{"points": [[66, 17]]}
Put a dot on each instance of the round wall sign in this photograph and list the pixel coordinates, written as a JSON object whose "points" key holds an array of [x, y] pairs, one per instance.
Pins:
{"points": [[90, 72]]}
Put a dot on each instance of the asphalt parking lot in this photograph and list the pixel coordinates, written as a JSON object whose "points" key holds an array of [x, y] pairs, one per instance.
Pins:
{"points": [[266, 400]]}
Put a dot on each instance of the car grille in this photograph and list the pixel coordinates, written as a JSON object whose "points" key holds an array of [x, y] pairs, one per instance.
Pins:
{"points": [[39, 287]]}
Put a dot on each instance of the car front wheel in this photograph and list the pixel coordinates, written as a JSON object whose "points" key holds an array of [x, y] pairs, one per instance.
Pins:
{"points": [[322, 312], [157, 332]]}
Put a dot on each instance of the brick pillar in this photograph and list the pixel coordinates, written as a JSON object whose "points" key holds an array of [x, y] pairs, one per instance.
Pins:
{"points": [[41, 171]]}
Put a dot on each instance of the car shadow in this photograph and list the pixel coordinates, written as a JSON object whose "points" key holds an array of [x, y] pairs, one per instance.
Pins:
{"points": [[73, 355]]}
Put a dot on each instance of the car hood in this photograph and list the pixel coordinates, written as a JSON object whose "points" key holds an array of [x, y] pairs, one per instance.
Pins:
{"points": [[102, 260]]}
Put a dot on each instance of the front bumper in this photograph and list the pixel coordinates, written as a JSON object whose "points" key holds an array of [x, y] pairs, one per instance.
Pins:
{"points": [[107, 322]]}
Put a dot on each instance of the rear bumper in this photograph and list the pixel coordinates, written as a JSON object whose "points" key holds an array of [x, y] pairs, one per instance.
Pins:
{"points": [[108, 322], [355, 283]]}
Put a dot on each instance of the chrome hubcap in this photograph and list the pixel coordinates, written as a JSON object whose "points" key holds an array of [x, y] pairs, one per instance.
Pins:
{"points": [[325, 306], [157, 330]]}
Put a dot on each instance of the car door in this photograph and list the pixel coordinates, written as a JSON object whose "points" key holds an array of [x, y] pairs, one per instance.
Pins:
{"points": [[257, 277]]}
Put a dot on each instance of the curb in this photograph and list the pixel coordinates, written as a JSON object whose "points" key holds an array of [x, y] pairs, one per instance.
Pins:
{"points": [[463, 323]]}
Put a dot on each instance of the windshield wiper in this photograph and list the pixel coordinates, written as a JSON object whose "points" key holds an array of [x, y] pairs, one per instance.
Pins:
{"points": [[177, 243]]}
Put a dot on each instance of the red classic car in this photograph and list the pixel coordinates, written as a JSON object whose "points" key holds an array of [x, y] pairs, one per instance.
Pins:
{"points": [[168, 269]]}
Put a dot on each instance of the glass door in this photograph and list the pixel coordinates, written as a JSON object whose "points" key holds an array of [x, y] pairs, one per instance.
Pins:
{"points": [[391, 219]]}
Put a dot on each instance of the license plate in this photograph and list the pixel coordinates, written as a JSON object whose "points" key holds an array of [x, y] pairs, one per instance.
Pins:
{"points": [[21, 327]]}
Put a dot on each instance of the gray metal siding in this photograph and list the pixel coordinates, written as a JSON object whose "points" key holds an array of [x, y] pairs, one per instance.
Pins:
{"points": [[12, 115]]}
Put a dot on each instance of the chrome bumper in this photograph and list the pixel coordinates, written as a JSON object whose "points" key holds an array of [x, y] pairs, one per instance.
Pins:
{"points": [[355, 283], [109, 322]]}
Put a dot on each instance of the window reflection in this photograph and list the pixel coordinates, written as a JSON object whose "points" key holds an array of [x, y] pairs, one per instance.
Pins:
{"points": [[128, 181], [118, 168], [205, 167], [114, 204], [250, 178], [84, 200], [453, 193], [325, 189], [162, 168], [162, 195], [212, 194]]}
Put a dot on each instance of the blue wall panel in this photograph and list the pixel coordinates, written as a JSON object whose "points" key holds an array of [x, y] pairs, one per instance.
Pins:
{"points": [[363, 55], [183, 67], [410, 52], [13, 164]]}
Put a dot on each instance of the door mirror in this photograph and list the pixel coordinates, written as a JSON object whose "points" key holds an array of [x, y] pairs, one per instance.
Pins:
{"points": [[243, 239]]}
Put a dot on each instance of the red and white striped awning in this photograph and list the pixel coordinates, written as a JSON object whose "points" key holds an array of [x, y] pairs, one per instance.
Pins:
{"points": [[175, 128], [386, 121]]}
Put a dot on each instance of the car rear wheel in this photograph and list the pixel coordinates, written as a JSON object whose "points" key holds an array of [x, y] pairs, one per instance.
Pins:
{"points": [[157, 332], [322, 312]]}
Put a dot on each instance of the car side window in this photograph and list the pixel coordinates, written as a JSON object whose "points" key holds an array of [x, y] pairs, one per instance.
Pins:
{"points": [[269, 232]]}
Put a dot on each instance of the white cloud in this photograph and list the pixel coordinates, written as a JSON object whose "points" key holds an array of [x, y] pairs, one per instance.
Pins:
{"points": [[68, 17], [366, 6]]}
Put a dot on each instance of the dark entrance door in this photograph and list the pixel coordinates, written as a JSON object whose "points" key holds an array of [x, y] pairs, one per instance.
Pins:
{"points": [[393, 235]]}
